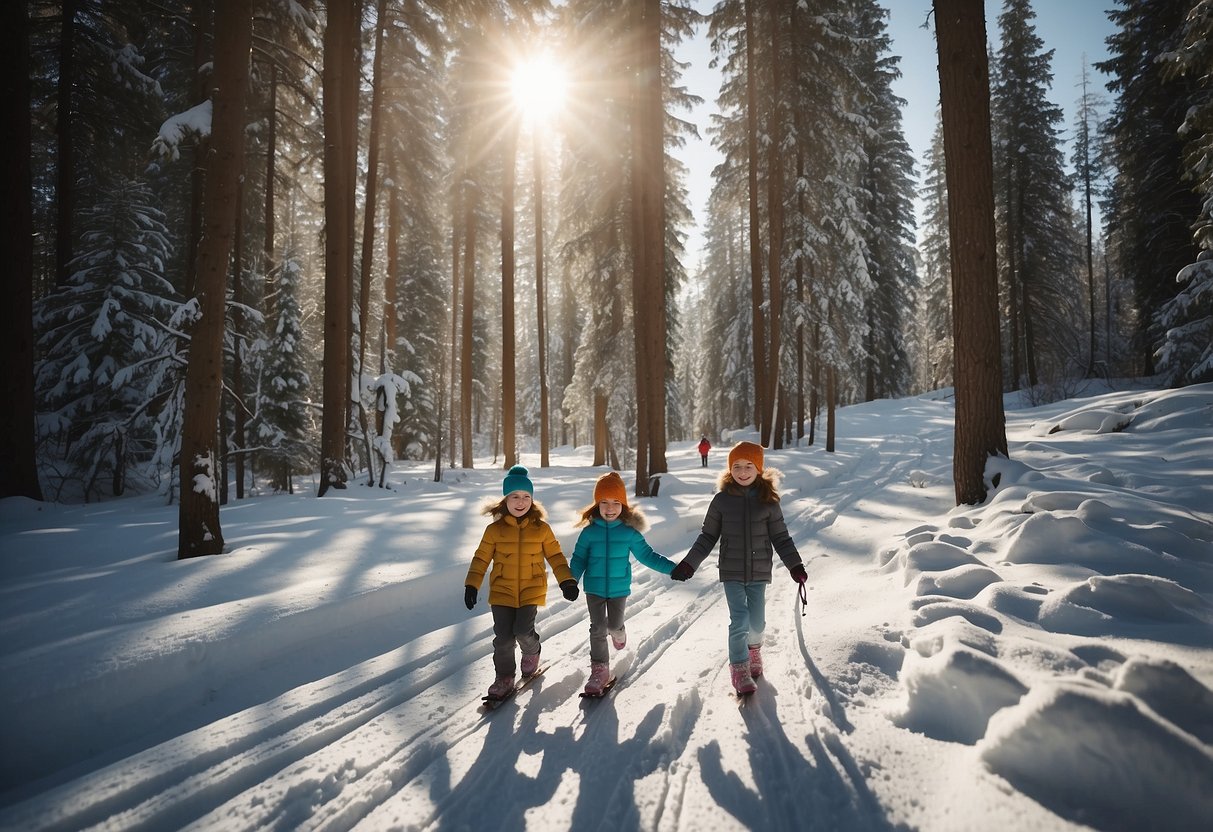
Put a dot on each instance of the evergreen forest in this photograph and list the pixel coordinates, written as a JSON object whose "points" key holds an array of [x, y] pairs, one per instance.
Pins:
{"points": [[251, 240]]}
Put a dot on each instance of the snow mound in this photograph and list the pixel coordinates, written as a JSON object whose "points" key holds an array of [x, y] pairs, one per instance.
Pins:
{"points": [[934, 556], [1098, 757], [1172, 692], [1143, 412], [952, 694], [1189, 408], [1096, 419], [1115, 605], [959, 582]]}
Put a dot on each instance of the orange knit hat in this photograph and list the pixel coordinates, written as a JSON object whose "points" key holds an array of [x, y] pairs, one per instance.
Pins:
{"points": [[610, 487], [746, 450]]}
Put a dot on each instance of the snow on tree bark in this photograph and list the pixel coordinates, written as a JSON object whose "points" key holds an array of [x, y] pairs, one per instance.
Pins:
{"points": [[200, 532]]}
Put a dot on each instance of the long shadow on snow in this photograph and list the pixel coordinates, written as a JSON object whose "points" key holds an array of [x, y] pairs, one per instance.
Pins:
{"points": [[790, 790], [495, 793]]}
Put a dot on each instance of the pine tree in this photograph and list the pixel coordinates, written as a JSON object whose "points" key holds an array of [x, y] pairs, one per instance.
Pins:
{"points": [[1088, 172], [834, 227], [937, 267], [1186, 354], [888, 180], [594, 237], [107, 339], [282, 425], [415, 76], [1039, 255], [719, 322], [98, 61], [1150, 206], [18, 465]]}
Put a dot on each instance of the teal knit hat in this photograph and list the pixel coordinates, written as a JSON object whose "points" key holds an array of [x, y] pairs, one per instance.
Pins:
{"points": [[516, 479]]}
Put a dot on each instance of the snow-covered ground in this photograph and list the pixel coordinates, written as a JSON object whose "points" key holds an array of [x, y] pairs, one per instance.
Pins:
{"points": [[1042, 661]]}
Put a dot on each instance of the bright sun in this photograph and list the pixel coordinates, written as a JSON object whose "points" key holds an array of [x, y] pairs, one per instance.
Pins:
{"points": [[539, 87]]}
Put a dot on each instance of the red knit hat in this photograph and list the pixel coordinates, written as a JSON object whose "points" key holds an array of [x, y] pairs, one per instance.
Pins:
{"points": [[610, 487], [748, 451]]}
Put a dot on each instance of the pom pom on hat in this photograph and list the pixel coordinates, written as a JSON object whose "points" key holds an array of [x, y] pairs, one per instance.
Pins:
{"points": [[610, 487], [746, 451], [516, 479]]}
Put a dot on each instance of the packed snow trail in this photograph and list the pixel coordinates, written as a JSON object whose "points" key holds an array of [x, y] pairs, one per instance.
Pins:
{"points": [[386, 741], [915, 613]]}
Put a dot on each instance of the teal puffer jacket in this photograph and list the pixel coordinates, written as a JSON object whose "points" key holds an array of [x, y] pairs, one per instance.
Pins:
{"points": [[603, 555]]}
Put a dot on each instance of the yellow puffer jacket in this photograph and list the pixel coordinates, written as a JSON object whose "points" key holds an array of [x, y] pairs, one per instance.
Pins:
{"points": [[517, 548]]}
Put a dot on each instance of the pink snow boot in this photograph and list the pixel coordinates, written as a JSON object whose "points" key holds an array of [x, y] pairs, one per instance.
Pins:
{"points": [[599, 675], [619, 638], [743, 683], [529, 665], [501, 687], [755, 660]]}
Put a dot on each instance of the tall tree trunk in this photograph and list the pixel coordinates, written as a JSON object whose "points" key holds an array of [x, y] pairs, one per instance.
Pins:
{"points": [[201, 21], [65, 148], [815, 384], [648, 249], [800, 401], [770, 434], [831, 402], [200, 533], [541, 333], [268, 219], [1085, 145], [1107, 310], [456, 242], [656, 240], [239, 413], [18, 461], [568, 320], [366, 261], [339, 140], [1025, 305], [387, 328], [271, 159], [508, 373], [601, 434], [964, 86], [390, 284], [1012, 267], [352, 86], [640, 288], [758, 335], [469, 300]]}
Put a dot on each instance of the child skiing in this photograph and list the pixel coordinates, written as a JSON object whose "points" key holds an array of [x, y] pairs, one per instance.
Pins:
{"points": [[746, 518], [613, 531], [516, 544]]}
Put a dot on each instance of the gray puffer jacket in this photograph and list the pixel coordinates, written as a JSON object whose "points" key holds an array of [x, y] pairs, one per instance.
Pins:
{"points": [[748, 531]]}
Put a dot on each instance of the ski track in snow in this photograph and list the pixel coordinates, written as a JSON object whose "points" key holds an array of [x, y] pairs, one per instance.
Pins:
{"points": [[839, 735], [368, 747]]}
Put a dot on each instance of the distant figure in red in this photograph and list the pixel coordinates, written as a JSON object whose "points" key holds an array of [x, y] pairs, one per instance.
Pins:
{"points": [[704, 447]]}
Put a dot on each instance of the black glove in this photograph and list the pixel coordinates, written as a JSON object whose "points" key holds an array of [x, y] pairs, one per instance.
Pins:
{"points": [[682, 571], [469, 596], [798, 573], [569, 588]]}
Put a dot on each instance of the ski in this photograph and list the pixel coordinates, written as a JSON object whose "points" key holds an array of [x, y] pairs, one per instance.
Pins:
{"points": [[605, 689], [491, 703]]}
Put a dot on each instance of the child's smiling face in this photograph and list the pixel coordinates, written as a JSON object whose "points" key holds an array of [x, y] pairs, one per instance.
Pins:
{"points": [[518, 502], [744, 473], [610, 509]]}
